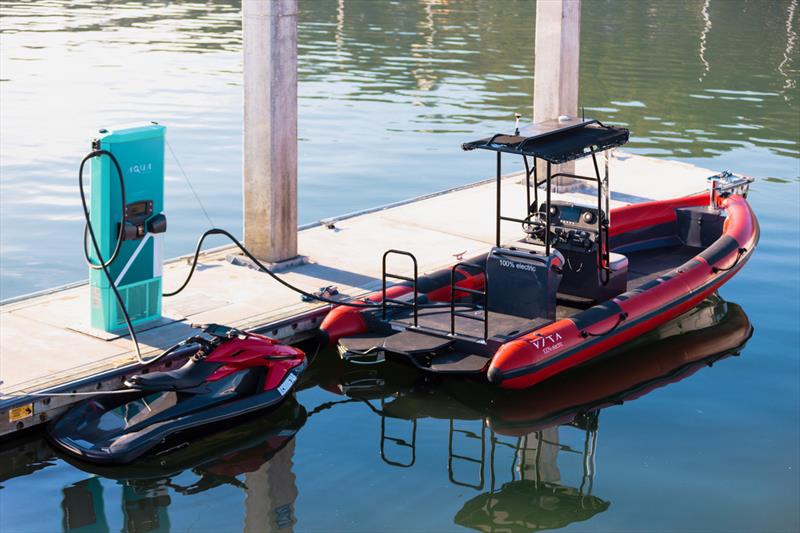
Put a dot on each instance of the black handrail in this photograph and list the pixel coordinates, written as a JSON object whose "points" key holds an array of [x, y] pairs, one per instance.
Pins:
{"points": [[452, 456], [413, 305], [484, 293], [398, 442], [604, 272]]}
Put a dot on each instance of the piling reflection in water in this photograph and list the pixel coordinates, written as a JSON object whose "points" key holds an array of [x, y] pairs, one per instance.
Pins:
{"points": [[525, 458], [535, 498]]}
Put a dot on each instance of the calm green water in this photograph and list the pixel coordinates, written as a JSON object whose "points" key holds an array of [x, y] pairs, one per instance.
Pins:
{"points": [[388, 91]]}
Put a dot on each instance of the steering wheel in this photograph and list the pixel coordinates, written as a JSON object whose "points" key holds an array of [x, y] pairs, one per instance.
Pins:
{"points": [[535, 225]]}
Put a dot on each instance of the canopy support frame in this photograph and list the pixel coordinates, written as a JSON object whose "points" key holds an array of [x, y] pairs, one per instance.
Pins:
{"points": [[603, 204]]}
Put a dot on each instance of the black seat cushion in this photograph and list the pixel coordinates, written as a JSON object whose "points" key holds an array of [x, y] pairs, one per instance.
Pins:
{"points": [[190, 375]]}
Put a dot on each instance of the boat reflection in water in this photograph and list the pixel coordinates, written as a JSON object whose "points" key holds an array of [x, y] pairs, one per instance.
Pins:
{"points": [[519, 481], [511, 447]]}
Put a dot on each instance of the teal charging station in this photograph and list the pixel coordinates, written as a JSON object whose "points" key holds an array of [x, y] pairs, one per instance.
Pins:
{"points": [[136, 271]]}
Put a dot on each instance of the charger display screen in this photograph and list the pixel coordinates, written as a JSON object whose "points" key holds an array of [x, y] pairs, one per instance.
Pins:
{"points": [[138, 209]]}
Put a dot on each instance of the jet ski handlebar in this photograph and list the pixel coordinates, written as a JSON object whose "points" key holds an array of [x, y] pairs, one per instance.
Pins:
{"points": [[218, 331]]}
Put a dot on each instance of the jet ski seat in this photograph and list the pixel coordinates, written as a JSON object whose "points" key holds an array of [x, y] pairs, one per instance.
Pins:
{"points": [[190, 375]]}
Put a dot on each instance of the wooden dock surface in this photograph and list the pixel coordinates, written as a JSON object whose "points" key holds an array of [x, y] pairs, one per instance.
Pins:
{"points": [[45, 342]]}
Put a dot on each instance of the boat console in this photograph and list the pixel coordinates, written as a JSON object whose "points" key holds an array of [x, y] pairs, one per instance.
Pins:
{"points": [[573, 227], [577, 232]]}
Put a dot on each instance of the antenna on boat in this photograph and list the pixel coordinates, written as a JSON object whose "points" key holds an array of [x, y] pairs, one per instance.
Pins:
{"points": [[583, 113], [517, 116]]}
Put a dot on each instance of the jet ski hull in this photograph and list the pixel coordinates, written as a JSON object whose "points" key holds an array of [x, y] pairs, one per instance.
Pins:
{"points": [[243, 376]]}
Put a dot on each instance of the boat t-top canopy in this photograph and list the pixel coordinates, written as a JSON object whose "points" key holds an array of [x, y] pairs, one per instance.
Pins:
{"points": [[556, 141]]}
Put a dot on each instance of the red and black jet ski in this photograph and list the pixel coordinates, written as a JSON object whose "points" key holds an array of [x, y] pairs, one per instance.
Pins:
{"points": [[232, 373]]}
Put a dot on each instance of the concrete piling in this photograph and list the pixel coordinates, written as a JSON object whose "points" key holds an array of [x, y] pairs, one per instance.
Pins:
{"points": [[270, 128]]}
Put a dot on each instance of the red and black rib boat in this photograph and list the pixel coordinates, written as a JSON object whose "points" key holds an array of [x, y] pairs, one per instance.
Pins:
{"points": [[572, 287]]}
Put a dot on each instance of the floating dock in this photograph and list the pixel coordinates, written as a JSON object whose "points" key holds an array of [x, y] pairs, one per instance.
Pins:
{"points": [[46, 346]]}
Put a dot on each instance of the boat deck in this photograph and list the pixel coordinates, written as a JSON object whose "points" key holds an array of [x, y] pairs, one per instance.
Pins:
{"points": [[500, 324], [46, 345], [648, 265], [472, 325]]}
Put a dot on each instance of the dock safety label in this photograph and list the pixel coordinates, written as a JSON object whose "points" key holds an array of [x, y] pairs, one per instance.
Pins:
{"points": [[18, 413]]}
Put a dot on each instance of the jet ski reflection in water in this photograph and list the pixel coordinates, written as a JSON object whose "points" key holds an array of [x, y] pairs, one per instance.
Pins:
{"points": [[254, 456], [519, 435], [232, 374]]}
